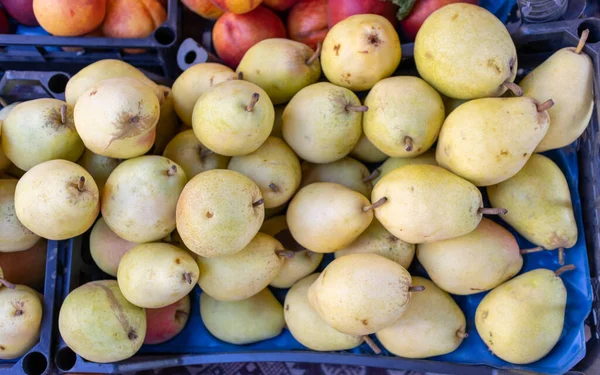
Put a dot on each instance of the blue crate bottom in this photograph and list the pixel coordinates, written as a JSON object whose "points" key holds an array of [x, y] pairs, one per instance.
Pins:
{"points": [[195, 338]]}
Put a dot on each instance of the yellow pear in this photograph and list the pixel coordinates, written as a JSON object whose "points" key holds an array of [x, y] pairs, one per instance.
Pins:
{"points": [[473, 263], [100, 167], [14, 236], [539, 205], [465, 52], [366, 152], [395, 163], [322, 209], [433, 321], [278, 123], [107, 248], [167, 125], [347, 172], [360, 51], [307, 326], [254, 319], [5, 110], [322, 122], [487, 141], [281, 67], [404, 117]]}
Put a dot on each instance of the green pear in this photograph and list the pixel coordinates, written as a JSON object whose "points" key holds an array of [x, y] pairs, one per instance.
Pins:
{"points": [[274, 168], [291, 66], [168, 123], [395, 163], [473, 263], [433, 321], [100, 167], [360, 294], [254, 319], [567, 78], [539, 205], [242, 275], [294, 268], [323, 122], [322, 209], [521, 320], [366, 152], [426, 203], [377, 240], [306, 325], [487, 141], [233, 118], [405, 115], [465, 52], [347, 171]]}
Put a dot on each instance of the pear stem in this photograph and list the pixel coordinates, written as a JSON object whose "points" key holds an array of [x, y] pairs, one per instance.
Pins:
{"points": [[373, 206], [3, 102], [258, 202], [187, 277], [357, 108], [274, 188], [492, 211], [315, 55], [172, 170], [514, 88], [561, 256], [532, 250], [240, 76], [563, 269], [372, 344], [408, 143], [582, 40], [545, 105], [462, 335], [63, 114], [205, 153], [253, 102], [7, 284], [81, 183], [286, 253], [372, 176], [416, 288]]}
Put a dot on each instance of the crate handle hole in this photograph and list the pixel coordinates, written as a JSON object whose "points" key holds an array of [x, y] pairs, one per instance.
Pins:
{"points": [[65, 359], [35, 363], [58, 83], [164, 35], [190, 57], [594, 28]]}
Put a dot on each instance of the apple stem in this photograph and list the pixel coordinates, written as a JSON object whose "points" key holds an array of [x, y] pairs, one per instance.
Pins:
{"points": [[561, 256], [373, 206], [3, 102], [462, 335], [416, 288], [563, 269], [492, 211], [7, 284], [205, 153], [172, 170], [372, 176], [81, 183], [514, 88], [258, 202], [545, 105], [357, 108], [582, 40], [253, 102], [63, 114], [369, 341], [286, 253], [314, 55], [274, 187], [532, 250], [240, 76], [408, 143]]}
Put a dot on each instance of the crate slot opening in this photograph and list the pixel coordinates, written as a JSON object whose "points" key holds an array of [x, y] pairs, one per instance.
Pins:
{"points": [[35, 363], [58, 83], [164, 35], [65, 359], [190, 57]]}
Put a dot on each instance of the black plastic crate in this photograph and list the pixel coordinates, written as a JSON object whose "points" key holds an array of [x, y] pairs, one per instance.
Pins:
{"points": [[44, 51]]}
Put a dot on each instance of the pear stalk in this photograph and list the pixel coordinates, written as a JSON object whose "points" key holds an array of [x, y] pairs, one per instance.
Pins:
{"points": [[3, 102], [253, 102], [514, 88], [274, 188], [63, 114], [561, 256], [532, 250], [408, 144], [492, 211], [240, 76], [357, 108], [81, 183], [172, 170], [462, 335], [545, 105], [563, 269], [372, 345], [372, 176], [258, 202], [7, 284], [315, 55], [286, 253], [373, 206], [582, 40], [416, 288]]}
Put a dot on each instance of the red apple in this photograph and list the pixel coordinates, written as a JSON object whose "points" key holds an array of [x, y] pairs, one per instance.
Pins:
{"points": [[279, 5], [21, 10], [166, 322], [339, 10], [307, 22], [420, 11], [234, 34], [4, 27]]}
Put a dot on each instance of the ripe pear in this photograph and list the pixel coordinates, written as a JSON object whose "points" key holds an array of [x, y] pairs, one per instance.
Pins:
{"points": [[277, 124], [521, 320], [307, 326], [426, 203], [117, 118], [140, 197], [347, 172], [14, 236], [57, 200], [154, 275], [168, 123], [233, 118], [366, 152], [322, 209], [360, 294], [465, 52], [290, 66], [322, 122], [194, 82], [433, 321], [186, 150], [377, 240], [254, 319], [5, 110], [107, 248], [274, 168], [360, 51], [241, 275], [487, 141], [20, 319], [391, 164], [567, 78], [100, 167], [301, 264], [99, 324], [219, 212], [40, 130], [539, 205], [473, 263], [405, 116]]}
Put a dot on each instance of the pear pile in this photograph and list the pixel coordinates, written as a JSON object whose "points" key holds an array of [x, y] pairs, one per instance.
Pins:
{"points": [[279, 165]]}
